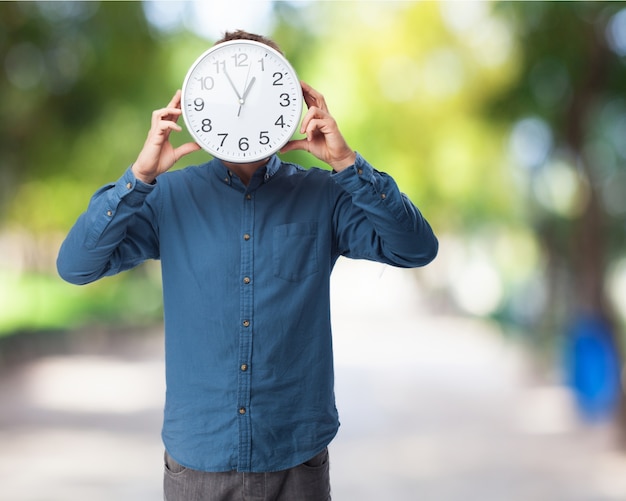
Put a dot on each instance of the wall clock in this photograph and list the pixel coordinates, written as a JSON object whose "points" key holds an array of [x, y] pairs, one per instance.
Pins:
{"points": [[241, 101]]}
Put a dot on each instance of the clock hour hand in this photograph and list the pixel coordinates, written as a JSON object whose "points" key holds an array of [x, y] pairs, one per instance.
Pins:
{"points": [[247, 91], [245, 95]]}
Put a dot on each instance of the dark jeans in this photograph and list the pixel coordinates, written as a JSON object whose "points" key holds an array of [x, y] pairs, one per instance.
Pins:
{"points": [[309, 481]]}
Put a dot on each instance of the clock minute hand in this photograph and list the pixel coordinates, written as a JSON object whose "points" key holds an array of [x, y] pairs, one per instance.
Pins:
{"points": [[239, 98]]}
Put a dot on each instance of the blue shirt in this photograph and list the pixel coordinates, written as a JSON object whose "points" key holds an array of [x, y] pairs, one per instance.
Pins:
{"points": [[246, 275]]}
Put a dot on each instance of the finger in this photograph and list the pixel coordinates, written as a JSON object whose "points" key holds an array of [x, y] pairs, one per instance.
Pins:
{"points": [[313, 97], [166, 112], [170, 125], [163, 128], [312, 113], [169, 114], [323, 125], [306, 93], [175, 101]]}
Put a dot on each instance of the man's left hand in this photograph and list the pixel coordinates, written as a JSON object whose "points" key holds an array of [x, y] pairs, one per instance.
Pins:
{"points": [[323, 138]]}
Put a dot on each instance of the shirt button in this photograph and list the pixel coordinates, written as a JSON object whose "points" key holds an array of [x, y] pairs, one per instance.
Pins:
{"points": [[360, 171], [248, 197], [244, 367], [383, 196], [109, 213], [246, 280], [129, 185], [242, 411], [246, 236], [246, 323]]}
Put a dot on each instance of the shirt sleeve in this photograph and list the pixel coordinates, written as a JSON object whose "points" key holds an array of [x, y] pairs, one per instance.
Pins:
{"points": [[115, 233], [374, 220]]}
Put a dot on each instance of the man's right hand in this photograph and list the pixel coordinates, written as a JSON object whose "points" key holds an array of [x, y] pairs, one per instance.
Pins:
{"points": [[158, 155]]}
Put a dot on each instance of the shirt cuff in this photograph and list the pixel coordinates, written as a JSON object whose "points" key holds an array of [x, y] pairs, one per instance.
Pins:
{"points": [[132, 190], [353, 177]]}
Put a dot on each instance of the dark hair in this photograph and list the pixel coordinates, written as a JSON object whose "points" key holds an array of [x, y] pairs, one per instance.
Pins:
{"points": [[244, 35]]}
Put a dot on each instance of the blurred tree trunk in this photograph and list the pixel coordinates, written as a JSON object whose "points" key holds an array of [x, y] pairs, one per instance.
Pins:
{"points": [[589, 253], [571, 47], [589, 238]]}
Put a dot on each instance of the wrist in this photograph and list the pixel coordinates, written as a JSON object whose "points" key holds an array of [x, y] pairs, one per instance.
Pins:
{"points": [[344, 162], [141, 177]]}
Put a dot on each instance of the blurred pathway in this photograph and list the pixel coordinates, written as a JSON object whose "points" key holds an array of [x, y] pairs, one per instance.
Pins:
{"points": [[432, 408]]}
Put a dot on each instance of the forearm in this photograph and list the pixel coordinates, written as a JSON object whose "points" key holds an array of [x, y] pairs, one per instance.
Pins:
{"points": [[103, 240], [391, 228]]}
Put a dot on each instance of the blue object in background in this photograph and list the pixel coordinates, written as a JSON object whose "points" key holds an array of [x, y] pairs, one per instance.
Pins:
{"points": [[593, 367]]}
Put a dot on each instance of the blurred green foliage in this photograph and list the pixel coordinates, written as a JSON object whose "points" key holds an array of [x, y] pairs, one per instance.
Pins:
{"points": [[444, 96], [568, 112], [77, 83]]}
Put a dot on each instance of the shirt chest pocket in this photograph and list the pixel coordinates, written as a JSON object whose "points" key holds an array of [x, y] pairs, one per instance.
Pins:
{"points": [[295, 250]]}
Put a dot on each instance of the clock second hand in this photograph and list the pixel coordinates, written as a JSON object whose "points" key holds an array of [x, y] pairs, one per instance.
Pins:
{"points": [[242, 101]]}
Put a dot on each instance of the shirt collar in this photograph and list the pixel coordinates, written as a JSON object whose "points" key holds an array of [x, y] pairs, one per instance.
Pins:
{"points": [[272, 167], [267, 171]]}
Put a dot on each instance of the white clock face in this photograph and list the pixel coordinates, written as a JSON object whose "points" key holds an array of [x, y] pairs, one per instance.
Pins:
{"points": [[241, 101]]}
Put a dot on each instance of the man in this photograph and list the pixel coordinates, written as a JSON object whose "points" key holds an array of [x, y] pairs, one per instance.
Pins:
{"points": [[246, 252]]}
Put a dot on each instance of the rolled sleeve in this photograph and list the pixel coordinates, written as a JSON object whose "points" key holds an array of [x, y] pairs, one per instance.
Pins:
{"points": [[101, 241], [397, 233], [354, 176], [132, 190]]}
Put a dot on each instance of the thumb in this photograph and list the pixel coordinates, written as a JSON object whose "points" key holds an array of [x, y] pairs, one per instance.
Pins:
{"points": [[296, 144], [186, 149]]}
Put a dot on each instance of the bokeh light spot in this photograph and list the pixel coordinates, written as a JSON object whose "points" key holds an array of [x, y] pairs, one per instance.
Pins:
{"points": [[531, 142], [24, 65], [616, 33]]}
